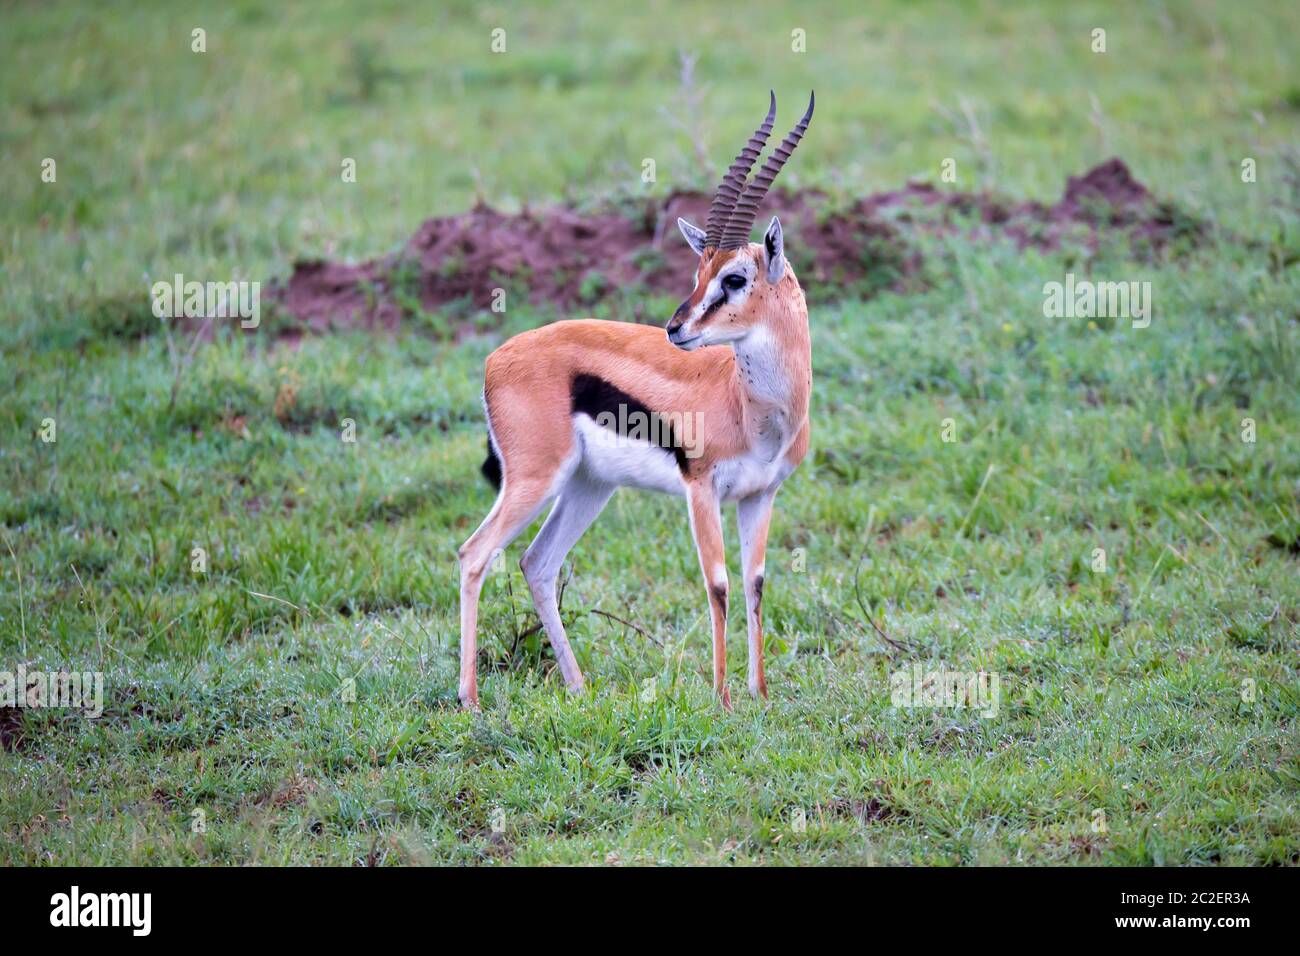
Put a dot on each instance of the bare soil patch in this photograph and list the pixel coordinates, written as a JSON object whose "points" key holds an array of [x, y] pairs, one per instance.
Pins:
{"points": [[569, 259]]}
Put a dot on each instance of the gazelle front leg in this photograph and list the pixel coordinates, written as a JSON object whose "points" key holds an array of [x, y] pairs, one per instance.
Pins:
{"points": [[706, 528], [753, 515]]}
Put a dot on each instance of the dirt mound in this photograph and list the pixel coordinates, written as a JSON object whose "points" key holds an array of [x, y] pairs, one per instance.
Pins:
{"points": [[1111, 184], [453, 266], [1104, 202]]}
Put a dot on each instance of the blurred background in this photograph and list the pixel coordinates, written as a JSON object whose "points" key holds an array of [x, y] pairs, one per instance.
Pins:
{"points": [[228, 162]]}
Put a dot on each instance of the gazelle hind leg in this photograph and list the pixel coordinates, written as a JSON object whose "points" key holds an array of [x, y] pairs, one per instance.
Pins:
{"points": [[581, 501], [516, 506]]}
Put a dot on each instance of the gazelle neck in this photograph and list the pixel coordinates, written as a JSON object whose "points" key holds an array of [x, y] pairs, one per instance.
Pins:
{"points": [[774, 362]]}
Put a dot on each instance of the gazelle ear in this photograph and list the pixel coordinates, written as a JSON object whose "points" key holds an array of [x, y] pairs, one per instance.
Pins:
{"points": [[774, 251], [694, 235]]}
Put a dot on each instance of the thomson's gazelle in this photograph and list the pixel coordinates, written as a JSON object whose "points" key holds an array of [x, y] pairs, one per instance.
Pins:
{"points": [[709, 424]]}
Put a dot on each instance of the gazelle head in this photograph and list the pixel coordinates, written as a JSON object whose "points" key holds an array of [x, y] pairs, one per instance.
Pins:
{"points": [[735, 278]]}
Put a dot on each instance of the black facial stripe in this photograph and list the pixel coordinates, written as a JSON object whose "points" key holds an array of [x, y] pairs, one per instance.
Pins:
{"points": [[716, 304], [592, 395]]}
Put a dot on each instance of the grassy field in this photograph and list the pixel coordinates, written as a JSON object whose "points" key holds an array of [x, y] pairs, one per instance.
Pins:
{"points": [[1148, 712]]}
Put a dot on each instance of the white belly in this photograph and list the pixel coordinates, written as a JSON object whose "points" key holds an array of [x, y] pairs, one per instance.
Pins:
{"points": [[628, 462]]}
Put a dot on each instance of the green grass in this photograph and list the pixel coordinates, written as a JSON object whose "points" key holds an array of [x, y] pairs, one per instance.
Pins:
{"points": [[1122, 691]]}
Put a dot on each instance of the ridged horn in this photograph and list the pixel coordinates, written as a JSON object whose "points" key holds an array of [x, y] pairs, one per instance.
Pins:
{"points": [[734, 181], [736, 232]]}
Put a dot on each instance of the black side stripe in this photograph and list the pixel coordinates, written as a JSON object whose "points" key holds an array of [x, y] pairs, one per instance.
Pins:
{"points": [[592, 395]]}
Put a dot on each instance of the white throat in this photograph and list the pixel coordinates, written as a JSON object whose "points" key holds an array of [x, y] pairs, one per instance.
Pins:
{"points": [[762, 373]]}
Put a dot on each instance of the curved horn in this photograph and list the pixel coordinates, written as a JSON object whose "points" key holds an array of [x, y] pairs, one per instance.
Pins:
{"points": [[736, 232], [734, 180]]}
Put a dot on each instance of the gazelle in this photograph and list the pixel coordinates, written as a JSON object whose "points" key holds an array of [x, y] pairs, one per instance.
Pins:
{"points": [[558, 398]]}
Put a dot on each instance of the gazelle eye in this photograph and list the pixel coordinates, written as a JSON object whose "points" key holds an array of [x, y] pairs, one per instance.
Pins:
{"points": [[734, 282]]}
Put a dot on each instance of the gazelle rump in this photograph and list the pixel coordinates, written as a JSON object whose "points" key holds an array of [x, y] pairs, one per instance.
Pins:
{"points": [[577, 409]]}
